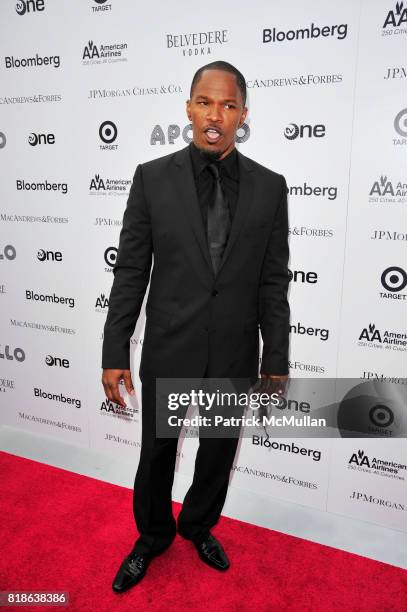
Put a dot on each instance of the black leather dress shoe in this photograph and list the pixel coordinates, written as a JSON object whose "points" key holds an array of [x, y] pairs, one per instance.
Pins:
{"points": [[211, 552], [131, 571]]}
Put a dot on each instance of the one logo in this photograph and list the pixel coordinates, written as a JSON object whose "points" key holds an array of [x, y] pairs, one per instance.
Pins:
{"points": [[50, 360], [3, 140], [400, 122], [394, 279], [26, 6], [36, 139], [110, 256], [108, 132], [49, 255], [293, 131]]}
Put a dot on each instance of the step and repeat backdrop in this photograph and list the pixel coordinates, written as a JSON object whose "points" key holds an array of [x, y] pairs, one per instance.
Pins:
{"points": [[91, 88]]}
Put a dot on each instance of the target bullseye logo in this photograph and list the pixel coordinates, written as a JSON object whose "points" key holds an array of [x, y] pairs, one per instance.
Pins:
{"points": [[381, 415], [3, 140], [108, 132], [400, 122], [110, 256], [394, 279]]}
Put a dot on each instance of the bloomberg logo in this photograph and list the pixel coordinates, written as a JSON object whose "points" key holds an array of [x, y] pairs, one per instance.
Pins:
{"points": [[312, 31]]}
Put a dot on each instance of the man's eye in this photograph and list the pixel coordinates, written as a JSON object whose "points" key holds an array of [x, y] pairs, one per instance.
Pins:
{"points": [[229, 105], [202, 102]]}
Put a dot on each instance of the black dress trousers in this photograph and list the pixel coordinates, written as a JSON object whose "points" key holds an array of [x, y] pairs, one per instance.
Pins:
{"points": [[152, 495]]}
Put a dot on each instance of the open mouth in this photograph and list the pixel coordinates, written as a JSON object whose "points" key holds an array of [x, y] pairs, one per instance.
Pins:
{"points": [[213, 135]]}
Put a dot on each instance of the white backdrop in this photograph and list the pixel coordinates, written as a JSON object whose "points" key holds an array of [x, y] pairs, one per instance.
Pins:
{"points": [[91, 88]]}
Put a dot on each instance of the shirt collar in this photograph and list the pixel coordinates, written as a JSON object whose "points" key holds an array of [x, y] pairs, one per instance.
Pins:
{"points": [[228, 164]]}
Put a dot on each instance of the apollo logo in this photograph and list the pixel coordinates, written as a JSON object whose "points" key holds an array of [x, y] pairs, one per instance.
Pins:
{"points": [[3, 140], [9, 252], [29, 6], [173, 132], [49, 255], [293, 131], [10, 354], [38, 139], [52, 361]]}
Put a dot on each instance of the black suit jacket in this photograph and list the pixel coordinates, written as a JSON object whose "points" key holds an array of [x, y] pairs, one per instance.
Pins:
{"points": [[195, 319]]}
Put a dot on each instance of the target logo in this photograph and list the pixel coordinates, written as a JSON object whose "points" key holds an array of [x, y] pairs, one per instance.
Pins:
{"points": [[110, 257], [108, 134], [400, 122], [394, 279], [293, 131], [381, 415], [3, 140]]}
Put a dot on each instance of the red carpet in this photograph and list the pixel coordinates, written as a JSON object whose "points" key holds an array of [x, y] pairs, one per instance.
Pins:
{"points": [[62, 531]]}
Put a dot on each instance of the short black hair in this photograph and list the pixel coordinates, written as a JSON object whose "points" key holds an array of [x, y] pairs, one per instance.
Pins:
{"points": [[219, 65]]}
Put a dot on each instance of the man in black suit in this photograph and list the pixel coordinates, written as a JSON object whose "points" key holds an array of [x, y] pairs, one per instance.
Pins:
{"points": [[216, 223]]}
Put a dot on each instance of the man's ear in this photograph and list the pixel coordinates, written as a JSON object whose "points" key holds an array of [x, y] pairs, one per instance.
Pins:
{"points": [[243, 116], [188, 109]]}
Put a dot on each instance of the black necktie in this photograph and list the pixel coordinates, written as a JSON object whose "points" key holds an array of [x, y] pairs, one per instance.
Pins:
{"points": [[218, 220]]}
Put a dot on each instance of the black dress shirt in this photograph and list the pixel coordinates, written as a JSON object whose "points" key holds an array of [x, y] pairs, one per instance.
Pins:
{"points": [[205, 182]]}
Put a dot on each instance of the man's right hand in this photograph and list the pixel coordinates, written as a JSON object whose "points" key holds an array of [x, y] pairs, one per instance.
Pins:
{"points": [[110, 382]]}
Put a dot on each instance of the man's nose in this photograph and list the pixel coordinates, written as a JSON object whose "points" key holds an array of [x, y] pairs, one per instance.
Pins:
{"points": [[214, 113]]}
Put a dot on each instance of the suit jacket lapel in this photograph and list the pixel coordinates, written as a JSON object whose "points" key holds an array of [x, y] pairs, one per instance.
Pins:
{"points": [[187, 192]]}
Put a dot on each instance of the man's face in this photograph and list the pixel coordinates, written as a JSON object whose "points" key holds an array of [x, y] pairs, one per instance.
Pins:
{"points": [[216, 112]]}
